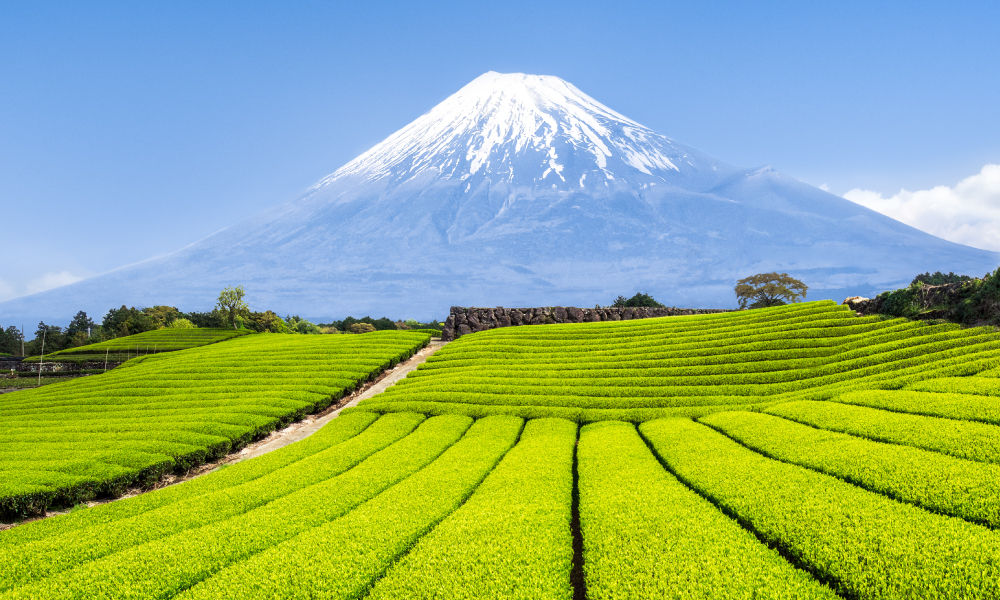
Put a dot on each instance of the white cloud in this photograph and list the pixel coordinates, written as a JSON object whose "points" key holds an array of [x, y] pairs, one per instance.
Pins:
{"points": [[825, 187], [14, 289], [968, 213], [7, 290], [51, 280]]}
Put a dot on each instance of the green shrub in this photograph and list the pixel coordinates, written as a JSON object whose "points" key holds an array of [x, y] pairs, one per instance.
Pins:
{"points": [[862, 544], [939, 278], [511, 539], [124, 321], [266, 321], [170, 565], [962, 439], [379, 324], [342, 557], [982, 304], [230, 497], [181, 408], [296, 324], [640, 300], [646, 535], [934, 481]]}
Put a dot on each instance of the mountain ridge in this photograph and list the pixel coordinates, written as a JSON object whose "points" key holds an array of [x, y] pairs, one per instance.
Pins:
{"points": [[523, 190]]}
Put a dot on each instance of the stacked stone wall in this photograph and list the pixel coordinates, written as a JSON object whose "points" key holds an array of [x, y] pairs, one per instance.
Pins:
{"points": [[462, 321], [6, 366]]}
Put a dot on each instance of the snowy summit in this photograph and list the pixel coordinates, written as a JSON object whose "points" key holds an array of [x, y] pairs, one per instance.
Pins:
{"points": [[525, 130]]}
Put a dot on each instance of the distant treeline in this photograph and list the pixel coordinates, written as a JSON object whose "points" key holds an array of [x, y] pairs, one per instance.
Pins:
{"points": [[124, 321]]}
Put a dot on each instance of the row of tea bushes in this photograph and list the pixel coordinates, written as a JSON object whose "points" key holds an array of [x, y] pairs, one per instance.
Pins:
{"points": [[69, 442]]}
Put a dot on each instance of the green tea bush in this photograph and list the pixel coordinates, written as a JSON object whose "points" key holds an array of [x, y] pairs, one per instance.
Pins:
{"points": [[930, 480], [56, 553], [962, 439], [362, 544], [178, 409], [512, 539], [646, 535], [652, 368], [862, 544], [167, 566]]}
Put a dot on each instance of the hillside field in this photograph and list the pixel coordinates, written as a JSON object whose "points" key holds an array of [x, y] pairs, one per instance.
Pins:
{"points": [[141, 344], [159, 413], [790, 452]]}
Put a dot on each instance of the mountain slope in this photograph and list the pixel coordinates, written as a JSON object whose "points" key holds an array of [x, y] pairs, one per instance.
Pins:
{"points": [[522, 190]]}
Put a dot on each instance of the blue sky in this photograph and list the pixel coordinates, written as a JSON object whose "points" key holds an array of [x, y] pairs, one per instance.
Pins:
{"points": [[129, 130]]}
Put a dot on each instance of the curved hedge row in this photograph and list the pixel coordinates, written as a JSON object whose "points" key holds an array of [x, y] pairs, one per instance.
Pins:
{"points": [[691, 366], [141, 344], [98, 435]]}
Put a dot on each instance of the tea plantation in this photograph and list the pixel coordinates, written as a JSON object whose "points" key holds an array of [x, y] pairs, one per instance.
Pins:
{"points": [[141, 344], [790, 452], [99, 435]]}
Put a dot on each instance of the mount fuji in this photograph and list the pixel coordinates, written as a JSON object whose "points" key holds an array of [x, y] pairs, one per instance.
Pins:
{"points": [[521, 190]]}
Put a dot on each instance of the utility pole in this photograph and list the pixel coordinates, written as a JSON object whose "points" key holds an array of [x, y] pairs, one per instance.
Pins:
{"points": [[41, 358], [22, 340]]}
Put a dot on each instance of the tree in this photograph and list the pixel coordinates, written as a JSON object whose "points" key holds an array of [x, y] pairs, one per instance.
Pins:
{"points": [[266, 321], [769, 289], [640, 300], [232, 305], [181, 324], [296, 324], [53, 337], [10, 340], [939, 278], [211, 320], [361, 328], [379, 324], [81, 331], [81, 322], [163, 315], [124, 321]]}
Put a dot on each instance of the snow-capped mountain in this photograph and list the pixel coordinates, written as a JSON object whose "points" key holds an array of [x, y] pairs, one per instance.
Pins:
{"points": [[521, 190], [524, 130]]}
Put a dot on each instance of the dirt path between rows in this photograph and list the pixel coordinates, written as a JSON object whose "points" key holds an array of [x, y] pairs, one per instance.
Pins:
{"points": [[280, 438], [312, 423]]}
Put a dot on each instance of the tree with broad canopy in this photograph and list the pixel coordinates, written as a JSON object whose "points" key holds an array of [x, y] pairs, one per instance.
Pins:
{"points": [[769, 289]]}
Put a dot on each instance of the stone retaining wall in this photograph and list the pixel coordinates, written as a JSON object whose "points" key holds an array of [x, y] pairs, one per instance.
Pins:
{"points": [[462, 320], [51, 367]]}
